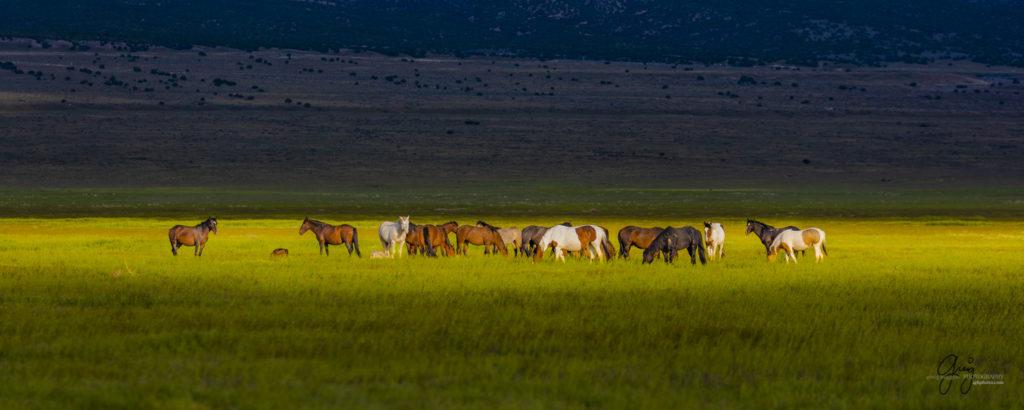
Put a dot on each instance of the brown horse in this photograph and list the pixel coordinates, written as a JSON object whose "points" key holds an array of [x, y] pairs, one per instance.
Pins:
{"points": [[181, 235], [487, 236], [631, 236], [427, 237], [327, 234]]}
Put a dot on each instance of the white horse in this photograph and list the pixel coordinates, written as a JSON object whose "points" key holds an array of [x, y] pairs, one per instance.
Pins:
{"points": [[392, 233], [793, 241], [573, 238], [714, 239]]}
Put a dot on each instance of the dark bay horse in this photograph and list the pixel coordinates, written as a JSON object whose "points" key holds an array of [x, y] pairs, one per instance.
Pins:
{"points": [[327, 234], [531, 238], [671, 240], [631, 236], [487, 236], [181, 235], [426, 238], [766, 233]]}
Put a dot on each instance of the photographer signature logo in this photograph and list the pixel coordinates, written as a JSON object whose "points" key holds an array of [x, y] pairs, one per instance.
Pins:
{"points": [[953, 368]]}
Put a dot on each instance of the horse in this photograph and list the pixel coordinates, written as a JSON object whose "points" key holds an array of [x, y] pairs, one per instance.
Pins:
{"points": [[427, 237], [631, 236], [485, 235], [181, 235], [671, 240], [714, 238], [531, 238], [393, 233], [792, 241], [327, 235], [568, 238], [511, 235], [766, 233]]}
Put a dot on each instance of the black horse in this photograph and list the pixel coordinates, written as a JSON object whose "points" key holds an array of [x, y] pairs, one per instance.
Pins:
{"points": [[531, 238], [671, 240], [766, 233]]}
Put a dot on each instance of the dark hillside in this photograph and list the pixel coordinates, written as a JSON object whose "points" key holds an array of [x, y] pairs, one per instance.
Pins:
{"points": [[743, 32]]}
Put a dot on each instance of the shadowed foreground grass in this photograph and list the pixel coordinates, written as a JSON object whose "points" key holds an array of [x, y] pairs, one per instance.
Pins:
{"points": [[97, 313]]}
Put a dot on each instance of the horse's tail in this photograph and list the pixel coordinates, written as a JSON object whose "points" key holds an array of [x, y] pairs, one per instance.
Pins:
{"points": [[700, 249], [426, 241], [823, 247], [355, 241]]}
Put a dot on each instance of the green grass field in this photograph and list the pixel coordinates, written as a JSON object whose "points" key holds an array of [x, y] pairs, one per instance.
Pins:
{"points": [[95, 312]]}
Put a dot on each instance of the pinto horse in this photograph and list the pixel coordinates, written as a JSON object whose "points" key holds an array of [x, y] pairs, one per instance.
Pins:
{"points": [[631, 236], [671, 240], [714, 238], [792, 241], [327, 235], [425, 238], [486, 236], [766, 233], [568, 238], [181, 235], [531, 238]]}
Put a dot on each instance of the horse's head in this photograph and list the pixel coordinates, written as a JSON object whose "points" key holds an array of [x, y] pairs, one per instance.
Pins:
{"points": [[541, 248], [750, 226], [306, 225], [772, 252], [213, 224], [450, 226], [403, 221]]}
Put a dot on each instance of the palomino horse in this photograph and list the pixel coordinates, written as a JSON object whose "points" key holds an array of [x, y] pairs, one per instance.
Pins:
{"points": [[486, 235], [567, 238], [427, 237], [671, 240], [531, 238], [766, 233], [714, 238], [393, 233], [508, 235], [631, 236], [181, 235], [327, 234], [792, 241]]}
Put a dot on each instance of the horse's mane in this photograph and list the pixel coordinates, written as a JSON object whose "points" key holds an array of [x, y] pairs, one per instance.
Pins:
{"points": [[760, 223], [208, 222], [487, 225], [316, 223]]}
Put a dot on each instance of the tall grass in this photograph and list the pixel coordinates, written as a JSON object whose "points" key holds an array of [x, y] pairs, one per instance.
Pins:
{"points": [[97, 313]]}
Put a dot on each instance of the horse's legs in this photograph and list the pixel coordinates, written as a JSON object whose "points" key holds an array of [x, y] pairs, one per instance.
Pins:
{"points": [[693, 254], [174, 248], [327, 249], [199, 248], [349, 246]]}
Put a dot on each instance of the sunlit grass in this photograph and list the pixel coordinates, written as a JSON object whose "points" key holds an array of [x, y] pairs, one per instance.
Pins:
{"points": [[96, 312]]}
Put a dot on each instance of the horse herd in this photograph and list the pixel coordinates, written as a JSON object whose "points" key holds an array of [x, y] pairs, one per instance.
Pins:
{"points": [[533, 241]]}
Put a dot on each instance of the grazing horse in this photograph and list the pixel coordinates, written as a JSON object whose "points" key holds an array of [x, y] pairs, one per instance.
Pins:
{"points": [[425, 238], [766, 233], [327, 235], [792, 241], [393, 233], [531, 238], [631, 236], [714, 237], [671, 240], [568, 238], [181, 235], [484, 235], [512, 236]]}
